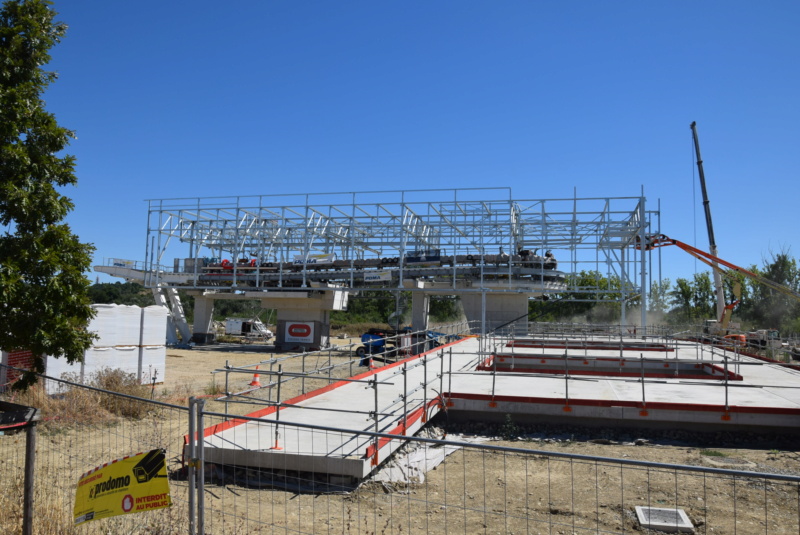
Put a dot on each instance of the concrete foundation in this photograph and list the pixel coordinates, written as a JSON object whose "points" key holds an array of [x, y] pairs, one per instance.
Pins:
{"points": [[765, 400]]}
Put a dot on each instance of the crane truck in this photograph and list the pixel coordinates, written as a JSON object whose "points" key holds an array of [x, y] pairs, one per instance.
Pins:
{"points": [[761, 338]]}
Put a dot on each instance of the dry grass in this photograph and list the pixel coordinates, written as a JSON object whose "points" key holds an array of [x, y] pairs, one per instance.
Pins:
{"points": [[76, 406], [80, 429]]}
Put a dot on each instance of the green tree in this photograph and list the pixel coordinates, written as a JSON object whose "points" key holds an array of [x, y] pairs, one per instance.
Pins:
{"points": [[593, 298], [681, 300], [767, 308], [657, 300], [43, 290], [120, 293], [703, 297], [370, 307]]}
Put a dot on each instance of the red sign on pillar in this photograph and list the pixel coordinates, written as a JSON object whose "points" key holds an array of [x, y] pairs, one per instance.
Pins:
{"points": [[300, 332]]}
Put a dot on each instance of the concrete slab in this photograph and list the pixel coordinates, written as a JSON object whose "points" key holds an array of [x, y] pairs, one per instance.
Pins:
{"points": [[766, 398]]}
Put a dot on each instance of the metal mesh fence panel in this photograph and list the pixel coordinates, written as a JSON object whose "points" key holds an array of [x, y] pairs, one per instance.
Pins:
{"points": [[83, 428], [297, 484], [301, 478]]}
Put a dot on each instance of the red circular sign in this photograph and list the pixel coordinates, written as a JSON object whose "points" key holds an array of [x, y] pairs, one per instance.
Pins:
{"points": [[127, 503], [300, 330]]}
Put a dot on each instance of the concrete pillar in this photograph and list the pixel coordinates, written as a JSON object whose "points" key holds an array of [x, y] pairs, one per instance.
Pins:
{"points": [[501, 308], [303, 319], [203, 314], [420, 302]]}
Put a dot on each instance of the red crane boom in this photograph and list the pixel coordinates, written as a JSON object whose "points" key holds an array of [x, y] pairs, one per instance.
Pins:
{"points": [[660, 240]]}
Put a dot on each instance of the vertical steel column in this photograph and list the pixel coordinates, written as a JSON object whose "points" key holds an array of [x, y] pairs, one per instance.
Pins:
{"points": [[623, 320], [643, 304]]}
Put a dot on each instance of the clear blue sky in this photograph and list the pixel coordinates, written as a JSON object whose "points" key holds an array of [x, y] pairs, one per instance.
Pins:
{"points": [[183, 99]]}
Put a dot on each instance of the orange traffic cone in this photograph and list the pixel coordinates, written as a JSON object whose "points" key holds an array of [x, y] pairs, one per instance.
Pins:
{"points": [[255, 381]]}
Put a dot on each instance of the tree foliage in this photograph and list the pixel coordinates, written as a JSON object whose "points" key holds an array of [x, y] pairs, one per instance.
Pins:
{"points": [[44, 305], [120, 293], [594, 299]]}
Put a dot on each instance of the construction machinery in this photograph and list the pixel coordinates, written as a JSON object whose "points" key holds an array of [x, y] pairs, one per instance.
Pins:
{"points": [[712, 243], [718, 265], [391, 343]]}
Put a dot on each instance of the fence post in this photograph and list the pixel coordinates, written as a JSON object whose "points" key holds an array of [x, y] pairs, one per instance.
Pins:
{"points": [[374, 384], [227, 386], [450, 372], [725, 360], [494, 372], [405, 398], [278, 408], [191, 474], [30, 460], [271, 366], [441, 376], [641, 359], [567, 408], [201, 477], [424, 389], [303, 369]]}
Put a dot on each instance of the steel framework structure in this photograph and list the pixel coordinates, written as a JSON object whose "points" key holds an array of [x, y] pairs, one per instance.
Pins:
{"points": [[587, 234]]}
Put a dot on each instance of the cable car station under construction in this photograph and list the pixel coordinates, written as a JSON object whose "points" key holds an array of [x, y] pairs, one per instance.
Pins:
{"points": [[305, 255]]}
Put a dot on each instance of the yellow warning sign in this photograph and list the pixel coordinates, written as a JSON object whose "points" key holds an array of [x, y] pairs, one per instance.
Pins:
{"points": [[128, 485]]}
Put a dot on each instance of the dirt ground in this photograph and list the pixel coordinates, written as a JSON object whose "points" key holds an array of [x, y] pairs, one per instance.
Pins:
{"points": [[560, 495]]}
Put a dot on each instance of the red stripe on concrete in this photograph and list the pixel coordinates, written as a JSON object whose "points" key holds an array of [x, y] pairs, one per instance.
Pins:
{"points": [[488, 366], [401, 429], [632, 404]]}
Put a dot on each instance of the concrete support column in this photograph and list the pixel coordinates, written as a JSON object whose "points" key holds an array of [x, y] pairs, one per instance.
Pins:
{"points": [[420, 302], [203, 313], [304, 319], [501, 308]]}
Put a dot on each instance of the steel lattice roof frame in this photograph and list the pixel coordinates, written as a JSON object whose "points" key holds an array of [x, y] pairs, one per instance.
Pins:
{"points": [[597, 232]]}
